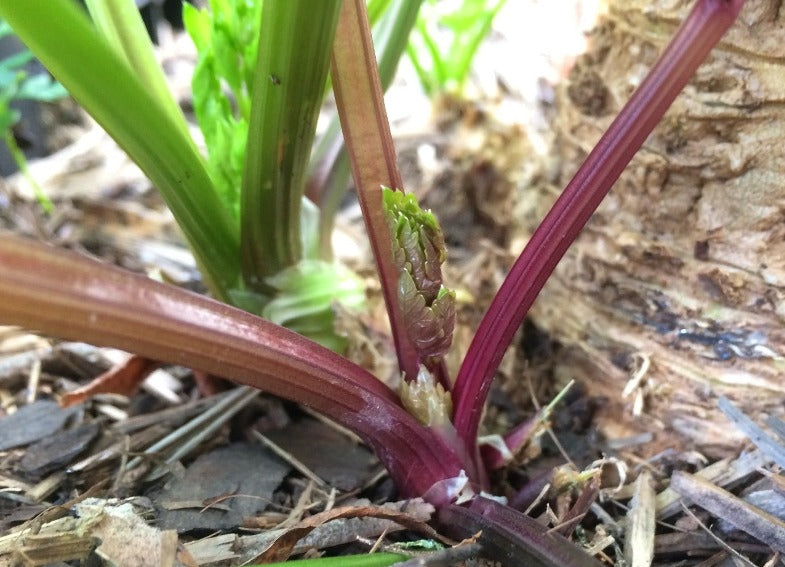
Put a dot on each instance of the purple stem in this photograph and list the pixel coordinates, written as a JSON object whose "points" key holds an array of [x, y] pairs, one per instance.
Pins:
{"points": [[69, 295], [510, 537], [700, 32]]}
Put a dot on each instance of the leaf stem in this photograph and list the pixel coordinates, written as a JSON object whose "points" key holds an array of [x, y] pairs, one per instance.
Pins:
{"points": [[72, 296], [292, 66], [700, 32], [358, 95]]}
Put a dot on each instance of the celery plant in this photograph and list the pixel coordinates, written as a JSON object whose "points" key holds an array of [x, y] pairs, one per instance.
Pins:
{"points": [[434, 453]]}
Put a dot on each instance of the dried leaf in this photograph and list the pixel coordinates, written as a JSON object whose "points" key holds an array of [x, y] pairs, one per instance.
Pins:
{"points": [[124, 379], [282, 547]]}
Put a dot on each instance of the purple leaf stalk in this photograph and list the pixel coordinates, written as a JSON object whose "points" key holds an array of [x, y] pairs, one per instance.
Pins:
{"points": [[700, 32]]}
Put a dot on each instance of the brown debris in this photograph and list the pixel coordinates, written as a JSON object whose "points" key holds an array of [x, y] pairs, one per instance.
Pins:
{"points": [[282, 546], [639, 536], [123, 379], [760, 524]]}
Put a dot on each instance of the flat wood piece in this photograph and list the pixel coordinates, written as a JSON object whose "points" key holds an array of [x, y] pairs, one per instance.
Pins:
{"points": [[32, 423]]}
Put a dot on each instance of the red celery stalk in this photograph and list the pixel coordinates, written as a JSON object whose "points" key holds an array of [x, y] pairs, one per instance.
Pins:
{"points": [[700, 32], [72, 296], [358, 95], [510, 537]]}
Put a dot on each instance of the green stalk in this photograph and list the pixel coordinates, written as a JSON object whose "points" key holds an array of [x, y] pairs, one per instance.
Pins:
{"points": [[121, 25], [64, 40], [294, 54], [21, 163]]}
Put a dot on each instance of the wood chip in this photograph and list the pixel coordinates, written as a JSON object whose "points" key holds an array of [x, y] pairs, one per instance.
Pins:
{"points": [[750, 519], [220, 488], [762, 440], [639, 541], [59, 450], [721, 473], [333, 458], [32, 423]]}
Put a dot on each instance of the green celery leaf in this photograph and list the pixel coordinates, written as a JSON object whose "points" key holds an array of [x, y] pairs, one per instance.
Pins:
{"points": [[42, 88]]}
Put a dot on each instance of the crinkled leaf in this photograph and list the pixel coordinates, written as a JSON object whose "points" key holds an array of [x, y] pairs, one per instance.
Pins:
{"points": [[430, 326], [419, 251], [420, 243]]}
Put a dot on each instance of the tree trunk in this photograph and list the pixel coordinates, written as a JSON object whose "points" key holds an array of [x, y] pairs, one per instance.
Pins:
{"points": [[680, 275]]}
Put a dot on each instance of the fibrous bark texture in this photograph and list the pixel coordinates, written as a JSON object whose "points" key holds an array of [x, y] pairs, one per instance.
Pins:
{"points": [[678, 281]]}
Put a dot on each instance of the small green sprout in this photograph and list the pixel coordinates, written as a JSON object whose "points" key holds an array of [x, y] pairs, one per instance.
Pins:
{"points": [[16, 85], [447, 39]]}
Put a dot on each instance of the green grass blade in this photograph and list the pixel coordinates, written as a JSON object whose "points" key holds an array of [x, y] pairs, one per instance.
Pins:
{"points": [[21, 163], [436, 76], [121, 24], [64, 40], [294, 55], [467, 42]]}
